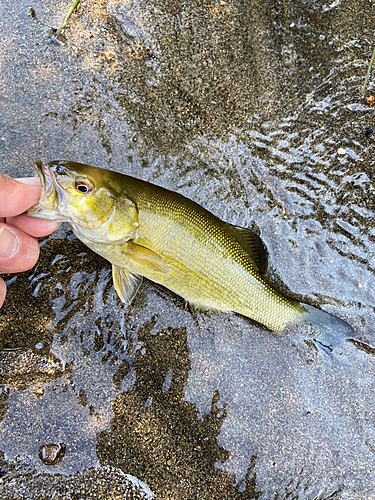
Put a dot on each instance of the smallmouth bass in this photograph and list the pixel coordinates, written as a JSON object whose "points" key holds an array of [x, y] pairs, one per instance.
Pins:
{"points": [[147, 231]]}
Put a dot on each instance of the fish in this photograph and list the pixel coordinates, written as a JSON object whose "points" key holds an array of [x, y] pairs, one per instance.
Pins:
{"points": [[145, 230]]}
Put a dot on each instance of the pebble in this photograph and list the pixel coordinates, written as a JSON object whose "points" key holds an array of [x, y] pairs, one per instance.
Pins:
{"points": [[52, 454]]}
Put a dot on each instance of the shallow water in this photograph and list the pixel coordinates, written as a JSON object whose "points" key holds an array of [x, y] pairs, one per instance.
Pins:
{"points": [[251, 109]]}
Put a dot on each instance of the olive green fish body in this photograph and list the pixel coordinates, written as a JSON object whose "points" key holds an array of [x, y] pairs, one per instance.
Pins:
{"points": [[207, 264], [148, 231]]}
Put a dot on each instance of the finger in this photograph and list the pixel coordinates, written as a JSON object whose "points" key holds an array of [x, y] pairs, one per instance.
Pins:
{"points": [[31, 226], [18, 251], [16, 197], [3, 291]]}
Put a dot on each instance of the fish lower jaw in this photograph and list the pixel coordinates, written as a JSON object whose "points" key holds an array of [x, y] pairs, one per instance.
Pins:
{"points": [[41, 212]]}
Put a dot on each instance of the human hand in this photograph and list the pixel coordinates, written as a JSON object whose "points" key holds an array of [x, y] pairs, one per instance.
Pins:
{"points": [[19, 250]]}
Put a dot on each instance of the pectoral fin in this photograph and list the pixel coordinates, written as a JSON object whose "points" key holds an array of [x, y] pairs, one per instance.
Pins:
{"points": [[145, 257], [126, 283]]}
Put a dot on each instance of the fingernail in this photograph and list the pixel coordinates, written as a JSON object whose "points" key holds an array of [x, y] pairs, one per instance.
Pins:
{"points": [[31, 181], [8, 243]]}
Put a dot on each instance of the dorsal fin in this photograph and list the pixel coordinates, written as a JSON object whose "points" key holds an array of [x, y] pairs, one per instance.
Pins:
{"points": [[253, 245]]}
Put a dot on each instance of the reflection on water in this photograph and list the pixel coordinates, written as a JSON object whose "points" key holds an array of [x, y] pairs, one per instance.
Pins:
{"points": [[251, 110]]}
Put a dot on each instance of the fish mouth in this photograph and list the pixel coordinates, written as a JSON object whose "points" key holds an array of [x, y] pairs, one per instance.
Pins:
{"points": [[48, 206], [45, 176]]}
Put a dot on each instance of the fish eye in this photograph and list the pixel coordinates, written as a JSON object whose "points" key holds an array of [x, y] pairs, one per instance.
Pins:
{"points": [[84, 186]]}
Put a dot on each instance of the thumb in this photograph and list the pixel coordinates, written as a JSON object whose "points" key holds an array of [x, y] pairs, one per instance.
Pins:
{"points": [[2, 292], [18, 251]]}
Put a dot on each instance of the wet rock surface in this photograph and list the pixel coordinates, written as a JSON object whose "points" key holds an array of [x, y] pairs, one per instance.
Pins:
{"points": [[251, 109]]}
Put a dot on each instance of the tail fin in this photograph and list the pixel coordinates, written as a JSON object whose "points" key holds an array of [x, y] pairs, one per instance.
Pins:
{"points": [[335, 331]]}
